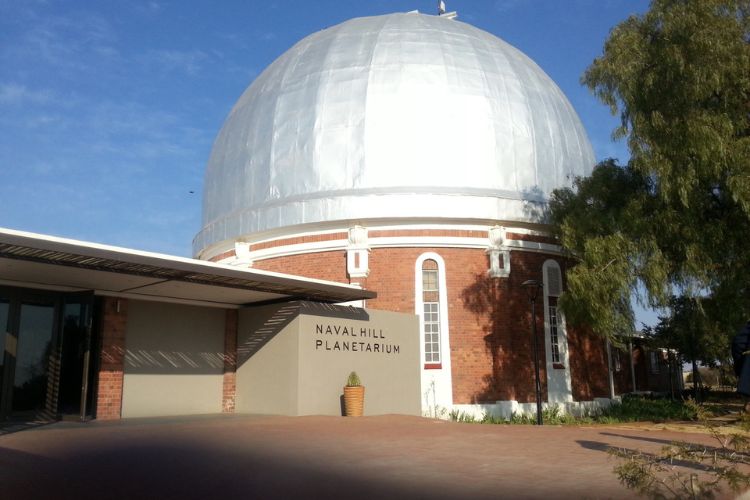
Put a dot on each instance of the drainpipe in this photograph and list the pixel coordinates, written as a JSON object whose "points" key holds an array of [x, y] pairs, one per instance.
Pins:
{"points": [[632, 363], [609, 370]]}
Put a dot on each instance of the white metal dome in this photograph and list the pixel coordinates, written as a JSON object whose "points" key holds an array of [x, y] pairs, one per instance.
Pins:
{"points": [[402, 115]]}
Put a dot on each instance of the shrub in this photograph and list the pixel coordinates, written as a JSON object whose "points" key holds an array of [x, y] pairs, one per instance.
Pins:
{"points": [[551, 415], [459, 416], [672, 473], [632, 409]]}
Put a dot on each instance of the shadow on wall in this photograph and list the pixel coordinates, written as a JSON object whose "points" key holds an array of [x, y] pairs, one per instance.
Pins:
{"points": [[535, 205], [279, 317], [163, 362], [588, 361], [333, 311], [148, 357], [170, 339], [503, 310]]}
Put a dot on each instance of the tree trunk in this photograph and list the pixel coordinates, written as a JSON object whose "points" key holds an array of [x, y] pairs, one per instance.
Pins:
{"points": [[671, 374], [696, 381]]}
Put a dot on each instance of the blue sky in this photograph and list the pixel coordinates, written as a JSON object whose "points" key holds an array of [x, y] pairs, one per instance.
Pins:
{"points": [[108, 109]]}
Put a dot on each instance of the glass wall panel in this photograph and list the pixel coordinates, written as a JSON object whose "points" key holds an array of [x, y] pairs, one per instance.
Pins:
{"points": [[33, 356], [4, 331], [72, 360]]}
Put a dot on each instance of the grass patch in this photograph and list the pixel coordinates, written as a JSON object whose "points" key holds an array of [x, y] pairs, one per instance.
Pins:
{"points": [[639, 409]]}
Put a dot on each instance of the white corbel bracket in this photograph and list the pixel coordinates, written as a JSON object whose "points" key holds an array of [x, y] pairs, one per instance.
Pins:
{"points": [[357, 253], [241, 255], [498, 252]]}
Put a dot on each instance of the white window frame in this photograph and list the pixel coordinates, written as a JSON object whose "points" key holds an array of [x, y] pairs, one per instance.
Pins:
{"points": [[562, 334], [442, 307], [559, 380], [618, 361], [434, 344], [554, 333], [653, 361], [437, 280]]}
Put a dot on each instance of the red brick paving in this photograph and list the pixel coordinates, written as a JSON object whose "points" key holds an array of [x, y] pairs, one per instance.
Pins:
{"points": [[236, 456]]}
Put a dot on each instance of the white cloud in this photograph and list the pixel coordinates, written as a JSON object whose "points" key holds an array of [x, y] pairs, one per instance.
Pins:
{"points": [[42, 120], [74, 42], [15, 94], [148, 9], [189, 61]]}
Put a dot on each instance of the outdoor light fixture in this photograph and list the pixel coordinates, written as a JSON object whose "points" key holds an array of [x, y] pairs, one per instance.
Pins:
{"points": [[532, 289]]}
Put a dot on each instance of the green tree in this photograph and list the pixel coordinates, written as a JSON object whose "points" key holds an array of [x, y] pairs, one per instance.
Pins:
{"points": [[691, 331], [605, 222], [676, 218]]}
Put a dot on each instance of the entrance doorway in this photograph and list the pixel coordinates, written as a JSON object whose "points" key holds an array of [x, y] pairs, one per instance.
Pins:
{"points": [[45, 347]]}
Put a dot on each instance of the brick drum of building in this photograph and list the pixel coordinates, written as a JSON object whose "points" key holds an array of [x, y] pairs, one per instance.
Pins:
{"points": [[489, 318]]}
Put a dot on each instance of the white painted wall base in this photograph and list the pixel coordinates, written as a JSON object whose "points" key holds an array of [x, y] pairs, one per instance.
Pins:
{"points": [[506, 409]]}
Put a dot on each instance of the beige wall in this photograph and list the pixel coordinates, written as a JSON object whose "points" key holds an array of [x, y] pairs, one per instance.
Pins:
{"points": [[294, 359], [267, 370], [391, 379], [173, 360]]}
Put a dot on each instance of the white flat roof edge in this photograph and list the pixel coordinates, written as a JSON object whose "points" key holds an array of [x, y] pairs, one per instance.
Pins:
{"points": [[90, 249]]}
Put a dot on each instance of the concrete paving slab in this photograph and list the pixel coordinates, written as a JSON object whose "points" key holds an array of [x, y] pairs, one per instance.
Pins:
{"points": [[317, 457]]}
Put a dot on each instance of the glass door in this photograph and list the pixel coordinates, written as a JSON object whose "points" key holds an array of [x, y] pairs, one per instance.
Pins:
{"points": [[75, 398], [4, 341], [36, 370], [45, 345]]}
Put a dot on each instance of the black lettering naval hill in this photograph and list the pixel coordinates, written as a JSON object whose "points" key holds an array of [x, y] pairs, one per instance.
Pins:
{"points": [[353, 339]]}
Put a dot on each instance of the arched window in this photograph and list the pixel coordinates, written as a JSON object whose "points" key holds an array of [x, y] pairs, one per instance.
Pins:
{"points": [[431, 306]]}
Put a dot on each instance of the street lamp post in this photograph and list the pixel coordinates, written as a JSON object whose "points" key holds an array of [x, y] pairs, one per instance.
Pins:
{"points": [[532, 289]]}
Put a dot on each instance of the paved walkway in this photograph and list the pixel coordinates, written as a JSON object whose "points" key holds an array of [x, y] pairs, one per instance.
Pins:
{"points": [[316, 457]]}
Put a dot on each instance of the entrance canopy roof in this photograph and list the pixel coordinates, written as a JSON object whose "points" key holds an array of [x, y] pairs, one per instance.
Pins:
{"points": [[47, 262]]}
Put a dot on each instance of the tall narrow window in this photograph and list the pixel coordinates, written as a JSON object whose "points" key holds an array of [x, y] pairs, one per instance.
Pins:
{"points": [[431, 315], [554, 338], [555, 328], [431, 304], [429, 278], [618, 362], [431, 332], [654, 361]]}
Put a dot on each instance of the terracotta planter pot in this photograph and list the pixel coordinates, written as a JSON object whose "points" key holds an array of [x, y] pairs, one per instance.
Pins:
{"points": [[354, 400]]}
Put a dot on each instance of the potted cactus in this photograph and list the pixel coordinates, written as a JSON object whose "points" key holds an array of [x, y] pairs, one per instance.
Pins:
{"points": [[354, 396]]}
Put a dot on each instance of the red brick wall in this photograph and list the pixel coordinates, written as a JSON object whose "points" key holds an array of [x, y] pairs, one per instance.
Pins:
{"points": [[489, 319], [112, 356], [377, 233], [588, 365], [300, 239], [230, 361], [324, 265]]}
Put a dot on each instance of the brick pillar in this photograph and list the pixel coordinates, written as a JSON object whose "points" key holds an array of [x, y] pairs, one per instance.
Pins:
{"points": [[109, 389], [230, 361]]}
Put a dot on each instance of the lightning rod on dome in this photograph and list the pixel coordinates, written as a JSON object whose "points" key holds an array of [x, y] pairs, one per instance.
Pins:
{"points": [[443, 13]]}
